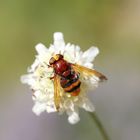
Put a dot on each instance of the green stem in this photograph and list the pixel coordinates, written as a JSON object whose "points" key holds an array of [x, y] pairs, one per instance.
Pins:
{"points": [[99, 125]]}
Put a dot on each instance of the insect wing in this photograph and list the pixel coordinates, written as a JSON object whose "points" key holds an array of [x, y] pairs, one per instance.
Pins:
{"points": [[57, 90], [89, 73]]}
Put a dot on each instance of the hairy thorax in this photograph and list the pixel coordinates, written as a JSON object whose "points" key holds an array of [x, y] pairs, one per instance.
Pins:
{"points": [[61, 66]]}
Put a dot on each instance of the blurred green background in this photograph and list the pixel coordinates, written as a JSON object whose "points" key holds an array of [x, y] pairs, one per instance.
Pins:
{"points": [[112, 25]]}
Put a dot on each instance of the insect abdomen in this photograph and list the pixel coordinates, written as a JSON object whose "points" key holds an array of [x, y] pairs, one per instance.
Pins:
{"points": [[71, 85]]}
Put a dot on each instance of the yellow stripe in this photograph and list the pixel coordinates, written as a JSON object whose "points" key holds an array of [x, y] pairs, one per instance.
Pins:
{"points": [[72, 86]]}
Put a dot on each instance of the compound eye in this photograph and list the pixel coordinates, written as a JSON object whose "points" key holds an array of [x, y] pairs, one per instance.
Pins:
{"points": [[59, 56], [52, 61]]}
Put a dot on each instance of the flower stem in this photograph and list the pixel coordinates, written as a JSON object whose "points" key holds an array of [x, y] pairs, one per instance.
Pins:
{"points": [[99, 125]]}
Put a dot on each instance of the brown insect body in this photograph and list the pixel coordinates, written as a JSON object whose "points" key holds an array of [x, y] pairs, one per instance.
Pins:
{"points": [[69, 79]]}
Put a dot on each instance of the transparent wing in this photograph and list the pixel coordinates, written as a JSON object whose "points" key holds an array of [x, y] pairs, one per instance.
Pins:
{"points": [[57, 90], [89, 73]]}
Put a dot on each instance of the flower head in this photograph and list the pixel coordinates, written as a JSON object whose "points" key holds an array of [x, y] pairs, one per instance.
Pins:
{"points": [[38, 78]]}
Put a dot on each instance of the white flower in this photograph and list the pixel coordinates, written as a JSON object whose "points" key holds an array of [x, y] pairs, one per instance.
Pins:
{"points": [[38, 78]]}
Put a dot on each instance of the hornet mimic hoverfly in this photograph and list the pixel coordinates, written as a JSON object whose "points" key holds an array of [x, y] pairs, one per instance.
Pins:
{"points": [[67, 77]]}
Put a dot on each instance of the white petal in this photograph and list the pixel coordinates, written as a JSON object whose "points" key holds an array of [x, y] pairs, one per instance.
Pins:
{"points": [[33, 66], [58, 36], [88, 106], [90, 54], [27, 79], [74, 118], [38, 108], [68, 104], [88, 65], [37, 94], [41, 49], [94, 80], [24, 79], [59, 43], [69, 53], [51, 109]]}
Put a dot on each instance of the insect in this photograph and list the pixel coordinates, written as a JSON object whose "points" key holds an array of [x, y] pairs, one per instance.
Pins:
{"points": [[67, 77]]}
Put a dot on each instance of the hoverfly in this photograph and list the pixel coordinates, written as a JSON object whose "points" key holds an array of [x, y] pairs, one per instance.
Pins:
{"points": [[66, 76]]}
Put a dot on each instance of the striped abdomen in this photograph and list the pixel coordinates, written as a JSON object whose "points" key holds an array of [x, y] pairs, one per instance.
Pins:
{"points": [[71, 83]]}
